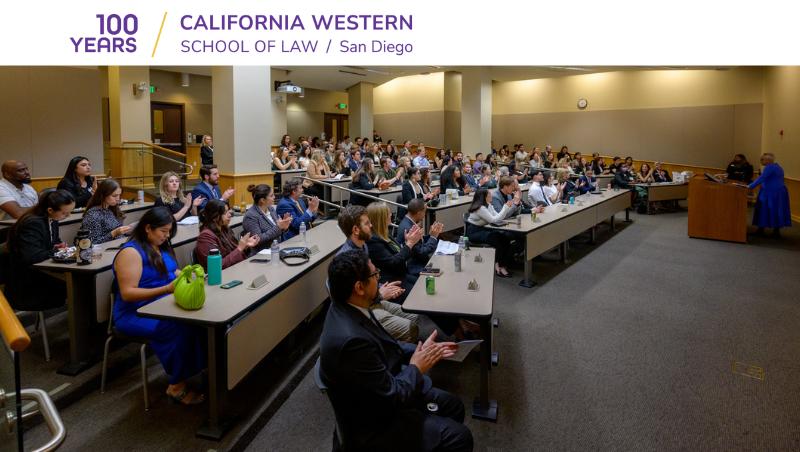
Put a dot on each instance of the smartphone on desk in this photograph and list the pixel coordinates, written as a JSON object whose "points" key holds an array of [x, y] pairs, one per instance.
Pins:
{"points": [[231, 284], [431, 271], [261, 260]]}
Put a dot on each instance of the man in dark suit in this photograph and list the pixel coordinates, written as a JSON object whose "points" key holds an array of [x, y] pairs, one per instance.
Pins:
{"points": [[209, 188], [377, 385], [424, 249], [292, 204]]}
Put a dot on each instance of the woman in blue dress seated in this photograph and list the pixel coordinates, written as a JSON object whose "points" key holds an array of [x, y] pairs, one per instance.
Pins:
{"points": [[772, 205], [144, 271]]}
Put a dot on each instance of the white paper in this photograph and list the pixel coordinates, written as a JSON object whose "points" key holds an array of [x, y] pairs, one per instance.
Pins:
{"points": [[189, 221], [339, 176], [445, 247], [464, 349], [265, 252]]}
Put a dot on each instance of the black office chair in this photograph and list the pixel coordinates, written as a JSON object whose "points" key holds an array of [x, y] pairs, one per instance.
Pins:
{"points": [[339, 444], [114, 334], [472, 244]]}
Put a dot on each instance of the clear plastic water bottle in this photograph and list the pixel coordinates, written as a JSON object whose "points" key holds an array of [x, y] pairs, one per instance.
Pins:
{"points": [[461, 244], [303, 233], [275, 251]]}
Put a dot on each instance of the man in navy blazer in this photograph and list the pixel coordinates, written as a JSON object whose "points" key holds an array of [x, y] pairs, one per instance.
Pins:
{"points": [[293, 204], [377, 385], [209, 188], [425, 248]]}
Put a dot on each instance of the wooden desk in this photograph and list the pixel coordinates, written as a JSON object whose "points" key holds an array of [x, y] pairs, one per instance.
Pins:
{"points": [[453, 298], [68, 228], [244, 325], [665, 191], [88, 288], [717, 210], [560, 222]]}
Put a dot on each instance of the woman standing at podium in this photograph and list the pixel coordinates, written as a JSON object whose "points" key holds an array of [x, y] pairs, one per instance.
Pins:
{"points": [[772, 205]]}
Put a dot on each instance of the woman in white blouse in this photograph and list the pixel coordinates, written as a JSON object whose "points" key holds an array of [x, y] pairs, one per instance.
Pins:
{"points": [[481, 213]]}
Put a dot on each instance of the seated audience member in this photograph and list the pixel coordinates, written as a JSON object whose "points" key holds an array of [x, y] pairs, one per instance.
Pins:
{"points": [[426, 182], [476, 166], [481, 213], [208, 189], [354, 163], [387, 174], [354, 223], [391, 150], [207, 151], [629, 162], [598, 164], [262, 220], [286, 141], [33, 239], [144, 271], [103, 217], [293, 204], [458, 160], [283, 161], [521, 157], [623, 177], [16, 193], [171, 196], [563, 153], [540, 193], [317, 169], [486, 179], [740, 169], [660, 175], [340, 164], [391, 257], [569, 187], [406, 151], [424, 249], [405, 163], [215, 234], [451, 179], [412, 188], [378, 386], [441, 159], [772, 205], [78, 180], [470, 179], [362, 180], [420, 159], [490, 161], [587, 181], [616, 163], [645, 174], [507, 190]]}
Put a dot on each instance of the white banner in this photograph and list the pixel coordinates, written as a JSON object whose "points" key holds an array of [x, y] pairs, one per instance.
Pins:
{"points": [[409, 32]]}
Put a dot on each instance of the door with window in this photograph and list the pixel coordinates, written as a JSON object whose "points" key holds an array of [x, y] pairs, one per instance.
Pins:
{"points": [[168, 130], [335, 126]]}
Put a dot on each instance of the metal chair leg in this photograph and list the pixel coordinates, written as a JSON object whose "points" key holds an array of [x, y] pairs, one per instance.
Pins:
{"points": [[41, 322], [143, 355], [105, 365]]}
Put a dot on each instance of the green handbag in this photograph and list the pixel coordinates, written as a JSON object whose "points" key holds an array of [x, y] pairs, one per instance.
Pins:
{"points": [[190, 293]]}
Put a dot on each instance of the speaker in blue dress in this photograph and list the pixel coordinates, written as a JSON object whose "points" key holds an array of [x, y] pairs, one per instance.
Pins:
{"points": [[772, 205]]}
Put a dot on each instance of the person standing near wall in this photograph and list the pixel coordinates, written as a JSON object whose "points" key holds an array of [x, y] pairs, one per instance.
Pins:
{"points": [[772, 205], [207, 150]]}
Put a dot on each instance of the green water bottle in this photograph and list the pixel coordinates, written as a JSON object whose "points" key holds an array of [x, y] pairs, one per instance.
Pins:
{"points": [[214, 268]]}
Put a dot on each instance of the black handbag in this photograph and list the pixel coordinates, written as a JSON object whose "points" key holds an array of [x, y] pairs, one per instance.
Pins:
{"points": [[296, 255]]}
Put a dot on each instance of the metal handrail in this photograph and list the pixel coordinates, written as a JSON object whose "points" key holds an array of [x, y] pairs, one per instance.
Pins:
{"points": [[334, 205], [162, 149], [359, 193], [51, 417]]}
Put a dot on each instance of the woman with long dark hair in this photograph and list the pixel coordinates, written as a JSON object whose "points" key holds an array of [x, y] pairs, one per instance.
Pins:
{"points": [[78, 180], [33, 239], [451, 180], [481, 213], [215, 234], [362, 180], [103, 217], [144, 271]]}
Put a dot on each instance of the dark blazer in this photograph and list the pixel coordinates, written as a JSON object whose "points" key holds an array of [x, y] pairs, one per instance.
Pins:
{"points": [[622, 180], [29, 289], [81, 194], [408, 192], [207, 155], [255, 223], [394, 265], [203, 190], [375, 393], [422, 251], [362, 183], [287, 205], [499, 199]]}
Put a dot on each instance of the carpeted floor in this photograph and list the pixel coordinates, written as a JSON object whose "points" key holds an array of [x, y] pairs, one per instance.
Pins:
{"points": [[629, 347]]}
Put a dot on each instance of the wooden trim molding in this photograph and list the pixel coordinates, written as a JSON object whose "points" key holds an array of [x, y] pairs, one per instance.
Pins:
{"points": [[239, 182]]}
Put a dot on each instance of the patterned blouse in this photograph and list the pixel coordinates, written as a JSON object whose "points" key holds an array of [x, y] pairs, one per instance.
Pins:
{"points": [[100, 222]]}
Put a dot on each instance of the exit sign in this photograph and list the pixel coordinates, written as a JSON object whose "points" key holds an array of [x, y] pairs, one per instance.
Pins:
{"points": [[341, 106]]}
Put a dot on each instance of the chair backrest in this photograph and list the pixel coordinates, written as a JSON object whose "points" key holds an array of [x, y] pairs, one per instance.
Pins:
{"points": [[323, 388], [5, 259]]}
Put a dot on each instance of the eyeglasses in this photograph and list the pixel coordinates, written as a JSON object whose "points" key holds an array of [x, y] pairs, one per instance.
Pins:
{"points": [[376, 274]]}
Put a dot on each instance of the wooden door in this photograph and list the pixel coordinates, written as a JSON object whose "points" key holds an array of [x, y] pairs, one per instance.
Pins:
{"points": [[335, 126]]}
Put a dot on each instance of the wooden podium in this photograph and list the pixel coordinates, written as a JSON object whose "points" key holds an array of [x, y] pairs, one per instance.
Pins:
{"points": [[717, 210]]}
